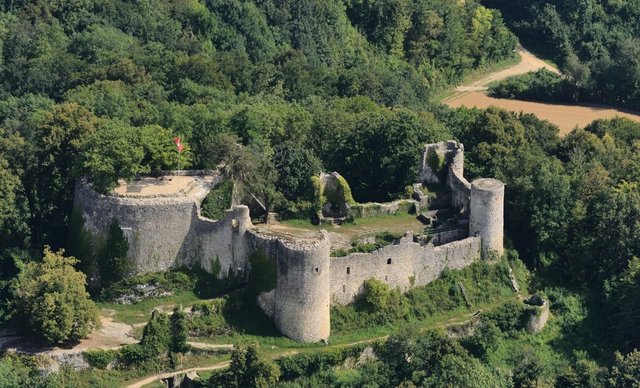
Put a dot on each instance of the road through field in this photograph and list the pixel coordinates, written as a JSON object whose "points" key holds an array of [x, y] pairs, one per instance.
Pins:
{"points": [[566, 117]]}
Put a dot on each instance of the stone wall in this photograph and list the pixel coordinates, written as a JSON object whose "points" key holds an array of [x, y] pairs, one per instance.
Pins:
{"points": [[374, 209], [402, 266], [453, 153], [167, 231], [447, 236]]}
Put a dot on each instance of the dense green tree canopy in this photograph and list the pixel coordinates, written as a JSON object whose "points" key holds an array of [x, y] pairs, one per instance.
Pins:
{"points": [[52, 299]]}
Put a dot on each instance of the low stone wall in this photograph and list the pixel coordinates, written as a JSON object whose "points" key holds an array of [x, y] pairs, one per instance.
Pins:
{"points": [[190, 172], [404, 265], [374, 209], [441, 238]]}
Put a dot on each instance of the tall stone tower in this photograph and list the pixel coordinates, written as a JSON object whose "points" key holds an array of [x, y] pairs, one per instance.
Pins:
{"points": [[303, 292], [486, 218]]}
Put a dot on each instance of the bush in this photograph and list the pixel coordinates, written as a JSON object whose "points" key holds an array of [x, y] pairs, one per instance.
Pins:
{"points": [[113, 261], [99, 358], [217, 201], [509, 318], [206, 319], [437, 163], [173, 281], [542, 85], [381, 240], [308, 364]]}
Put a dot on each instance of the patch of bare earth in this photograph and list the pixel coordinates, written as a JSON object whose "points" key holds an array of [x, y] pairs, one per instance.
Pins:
{"points": [[111, 335], [566, 117], [342, 236]]}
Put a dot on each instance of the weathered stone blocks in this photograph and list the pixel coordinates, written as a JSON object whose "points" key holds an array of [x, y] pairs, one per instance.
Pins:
{"points": [[487, 214]]}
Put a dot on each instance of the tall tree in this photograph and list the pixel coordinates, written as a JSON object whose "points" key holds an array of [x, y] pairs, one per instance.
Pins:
{"points": [[52, 299]]}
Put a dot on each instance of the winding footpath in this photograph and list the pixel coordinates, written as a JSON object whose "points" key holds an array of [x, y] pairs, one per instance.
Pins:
{"points": [[143, 381], [565, 116]]}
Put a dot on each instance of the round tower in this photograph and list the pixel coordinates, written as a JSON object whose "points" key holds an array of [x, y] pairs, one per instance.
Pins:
{"points": [[303, 292], [486, 219]]}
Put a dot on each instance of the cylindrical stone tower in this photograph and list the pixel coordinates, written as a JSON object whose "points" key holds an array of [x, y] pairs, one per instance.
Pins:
{"points": [[303, 292], [486, 218]]}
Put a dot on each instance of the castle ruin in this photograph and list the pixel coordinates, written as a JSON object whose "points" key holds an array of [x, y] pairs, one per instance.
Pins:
{"points": [[162, 222]]}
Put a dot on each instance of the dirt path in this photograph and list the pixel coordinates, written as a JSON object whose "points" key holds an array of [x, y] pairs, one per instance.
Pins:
{"points": [[151, 379], [453, 321], [528, 62], [566, 117], [111, 335]]}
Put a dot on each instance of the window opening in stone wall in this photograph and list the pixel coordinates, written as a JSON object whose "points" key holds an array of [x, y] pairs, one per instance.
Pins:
{"points": [[344, 288], [316, 269], [348, 270], [388, 261], [385, 278]]}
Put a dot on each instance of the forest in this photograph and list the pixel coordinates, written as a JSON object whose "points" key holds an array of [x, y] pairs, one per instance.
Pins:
{"points": [[596, 44], [100, 89]]}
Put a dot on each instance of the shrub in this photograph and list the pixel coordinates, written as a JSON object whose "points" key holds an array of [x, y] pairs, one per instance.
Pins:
{"points": [[206, 319], [308, 364], [509, 318], [99, 358], [437, 163], [218, 200], [542, 85], [179, 331]]}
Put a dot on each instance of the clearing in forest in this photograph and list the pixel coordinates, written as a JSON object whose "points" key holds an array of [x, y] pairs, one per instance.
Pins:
{"points": [[565, 116]]}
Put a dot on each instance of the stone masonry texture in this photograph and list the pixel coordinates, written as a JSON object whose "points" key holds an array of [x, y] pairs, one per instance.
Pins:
{"points": [[167, 231]]}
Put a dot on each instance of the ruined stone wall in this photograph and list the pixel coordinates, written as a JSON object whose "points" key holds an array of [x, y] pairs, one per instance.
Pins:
{"points": [[167, 231], [402, 266], [453, 153], [222, 240], [460, 187], [448, 236], [374, 209], [301, 303]]}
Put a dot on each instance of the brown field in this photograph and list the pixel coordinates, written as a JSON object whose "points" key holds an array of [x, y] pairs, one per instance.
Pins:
{"points": [[567, 117]]}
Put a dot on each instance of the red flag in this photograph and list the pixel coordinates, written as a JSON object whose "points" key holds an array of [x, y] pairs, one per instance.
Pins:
{"points": [[179, 145]]}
